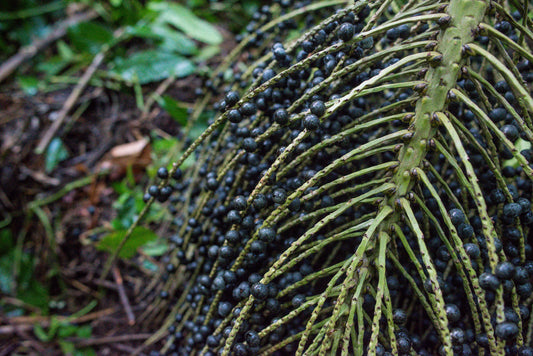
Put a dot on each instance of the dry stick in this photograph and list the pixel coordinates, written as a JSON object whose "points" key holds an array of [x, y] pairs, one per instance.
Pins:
{"points": [[26, 323], [112, 339], [123, 297], [29, 51], [74, 95]]}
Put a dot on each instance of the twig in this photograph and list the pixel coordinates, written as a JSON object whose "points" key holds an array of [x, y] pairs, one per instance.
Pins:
{"points": [[123, 297], [76, 92], [29, 51], [158, 92], [112, 339], [73, 97], [45, 321]]}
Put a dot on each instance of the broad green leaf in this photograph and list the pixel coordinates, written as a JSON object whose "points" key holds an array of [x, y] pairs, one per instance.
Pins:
{"points": [[84, 331], [126, 209], [40, 333], [184, 19], [173, 107], [89, 37], [36, 294], [151, 66], [138, 238], [66, 330], [87, 351], [149, 265], [155, 248], [208, 52], [67, 347], [170, 39], [55, 153], [6, 273], [65, 52], [53, 65], [6, 241], [29, 84]]}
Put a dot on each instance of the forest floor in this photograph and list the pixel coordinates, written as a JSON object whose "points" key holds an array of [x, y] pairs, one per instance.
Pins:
{"points": [[75, 160]]}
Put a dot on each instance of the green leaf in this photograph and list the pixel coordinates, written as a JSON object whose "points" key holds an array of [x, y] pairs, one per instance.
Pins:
{"points": [[67, 347], [66, 330], [162, 145], [151, 66], [173, 107], [126, 209], [208, 52], [65, 52], [55, 153], [149, 265], [6, 273], [87, 351], [35, 294], [170, 39], [155, 248], [184, 19], [138, 238], [6, 241], [40, 333], [89, 37], [84, 331], [28, 84], [53, 65]]}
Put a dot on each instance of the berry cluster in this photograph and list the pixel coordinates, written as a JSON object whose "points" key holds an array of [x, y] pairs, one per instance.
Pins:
{"points": [[364, 188]]}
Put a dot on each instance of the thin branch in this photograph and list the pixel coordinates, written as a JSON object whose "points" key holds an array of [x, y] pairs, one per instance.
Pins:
{"points": [[123, 297], [75, 94], [31, 50]]}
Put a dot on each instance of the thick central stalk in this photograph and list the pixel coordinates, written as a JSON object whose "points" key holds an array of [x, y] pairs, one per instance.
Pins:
{"points": [[442, 76]]}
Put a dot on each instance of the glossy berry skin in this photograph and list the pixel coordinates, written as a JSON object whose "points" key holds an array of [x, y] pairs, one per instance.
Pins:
{"points": [[162, 173], [453, 313], [241, 291], [232, 98], [399, 316], [346, 31], [505, 270], [511, 132], [234, 116], [240, 350], [248, 109], [512, 210], [279, 195], [404, 344], [259, 291], [457, 216], [177, 174], [311, 122], [224, 309], [488, 281], [260, 202], [297, 300], [239, 203], [472, 250], [317, 108], [281, 116], [266, 234], [458, 336], [252, 338], [233, 237], [506, 330], [249, 144], [153, 190]]}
